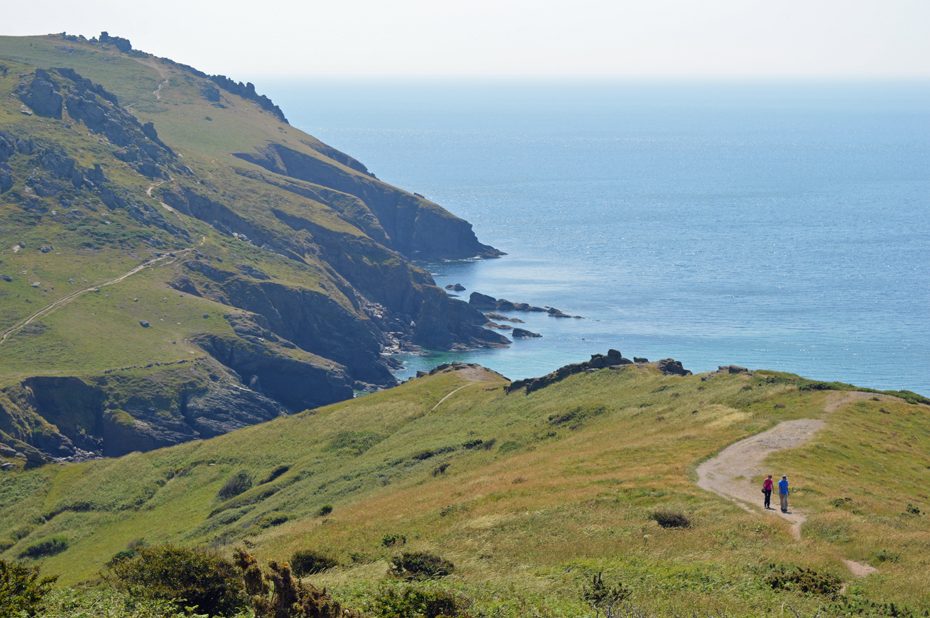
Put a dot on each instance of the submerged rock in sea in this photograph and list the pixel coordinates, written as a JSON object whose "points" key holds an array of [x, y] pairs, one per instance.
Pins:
{"points": [[484, 302]]}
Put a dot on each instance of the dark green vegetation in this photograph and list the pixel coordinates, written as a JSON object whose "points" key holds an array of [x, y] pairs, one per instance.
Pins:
{"points": [[275, 269], [528, 510], [22, 589]]}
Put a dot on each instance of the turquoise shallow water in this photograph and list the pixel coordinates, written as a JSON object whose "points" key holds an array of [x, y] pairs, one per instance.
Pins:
{"points": [[779, 225]]}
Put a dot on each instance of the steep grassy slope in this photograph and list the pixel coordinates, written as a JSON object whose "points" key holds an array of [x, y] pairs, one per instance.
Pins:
{"points": [[527, 494], [285, 266]]}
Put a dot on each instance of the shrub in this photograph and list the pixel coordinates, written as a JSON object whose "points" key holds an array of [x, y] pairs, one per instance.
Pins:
{"points": [[308, 562], [390, 540], [440, 469], [189, 577], [392, 602], [21, 589], [884, 555], [799, 579], [48, 547], [276, 594], [237, 484], [671, 519], [106, 602], [858, 606], [275, 474], [420, 565], [604, 598], [912, 509], [325, 510]]}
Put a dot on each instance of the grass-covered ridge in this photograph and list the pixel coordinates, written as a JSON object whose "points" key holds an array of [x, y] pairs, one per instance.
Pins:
{"points": [[528, 496]]}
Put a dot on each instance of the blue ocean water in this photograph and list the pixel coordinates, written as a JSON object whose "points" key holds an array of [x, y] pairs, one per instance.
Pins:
{"points": [[773, 225]]}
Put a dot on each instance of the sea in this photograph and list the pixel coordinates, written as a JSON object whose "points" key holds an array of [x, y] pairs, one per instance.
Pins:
{"points": [[770, 224]]}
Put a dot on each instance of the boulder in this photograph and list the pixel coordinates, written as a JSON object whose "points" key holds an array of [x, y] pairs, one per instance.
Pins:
{"points": [[640, 359], [456, 287], [732, 369], [41, 95], [144, 323], [670, 366]]}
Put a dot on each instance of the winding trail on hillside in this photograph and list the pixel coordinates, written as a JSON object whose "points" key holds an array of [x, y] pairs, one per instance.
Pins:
{"points": [[474, 375], [168, 258], [732, 473]]}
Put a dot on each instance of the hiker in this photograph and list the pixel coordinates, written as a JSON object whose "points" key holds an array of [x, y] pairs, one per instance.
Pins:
{"points": [[767, 486], [783, 493]]}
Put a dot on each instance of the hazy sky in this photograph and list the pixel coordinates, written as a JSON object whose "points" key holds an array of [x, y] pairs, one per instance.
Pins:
{"points": [[652, 38]]}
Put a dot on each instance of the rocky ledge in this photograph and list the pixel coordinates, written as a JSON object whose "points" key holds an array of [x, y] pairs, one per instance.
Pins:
{"points": [[613, 358], [483, 302]]}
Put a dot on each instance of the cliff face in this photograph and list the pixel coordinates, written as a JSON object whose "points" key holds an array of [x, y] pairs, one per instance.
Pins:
{"points": [[243, 269]]}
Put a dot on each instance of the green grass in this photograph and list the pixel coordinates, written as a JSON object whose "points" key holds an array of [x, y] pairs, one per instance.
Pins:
{"points": [[527, 520]]}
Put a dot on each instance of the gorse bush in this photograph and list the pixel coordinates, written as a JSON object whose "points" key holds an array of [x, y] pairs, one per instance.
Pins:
{"points": [[106, 602], [799, 579], [671, 519], [239, 483], [420, 565], [276, 594], [390, 540], [410, 602], [48, 547], [324, 510], [22, 590], [308, 562], [605, 599], [189, 577]]}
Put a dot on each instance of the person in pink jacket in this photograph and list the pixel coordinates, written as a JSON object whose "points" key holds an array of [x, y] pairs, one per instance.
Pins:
{"points": [[767, 486]]}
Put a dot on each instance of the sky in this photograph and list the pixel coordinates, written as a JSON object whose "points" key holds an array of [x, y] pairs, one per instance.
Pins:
{"points": [[506, 38]]}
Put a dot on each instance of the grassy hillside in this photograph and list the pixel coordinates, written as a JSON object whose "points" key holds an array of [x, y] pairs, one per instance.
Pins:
{"points": [[528, 495], [287, 257]]}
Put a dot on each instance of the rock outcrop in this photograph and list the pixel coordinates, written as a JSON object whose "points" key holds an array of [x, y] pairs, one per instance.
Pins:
{"points": [[414, 226], [522, 333], [125, 411], [484, 302], [670, 366], [613, 358]]}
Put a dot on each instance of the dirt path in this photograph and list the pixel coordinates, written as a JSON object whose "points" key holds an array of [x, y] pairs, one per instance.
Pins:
{"points": [[61, 302], [733, 473]]}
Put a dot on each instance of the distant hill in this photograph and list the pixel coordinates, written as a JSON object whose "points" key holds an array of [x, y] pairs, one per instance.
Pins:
{"points": [[529, 495], [176, 260]]}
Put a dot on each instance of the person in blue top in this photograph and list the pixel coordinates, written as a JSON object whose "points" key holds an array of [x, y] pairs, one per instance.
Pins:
{"points": [[783, 493]]}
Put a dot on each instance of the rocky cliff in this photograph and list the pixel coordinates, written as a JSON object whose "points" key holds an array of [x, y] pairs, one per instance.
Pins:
{"points": [[176, 260]]}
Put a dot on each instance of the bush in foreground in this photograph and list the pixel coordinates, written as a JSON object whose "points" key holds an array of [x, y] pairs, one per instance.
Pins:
{"points": [[394, 602], [420, 565], [188, 577], [21, 589], [277, 594], [799, 579], [106, 603]]}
